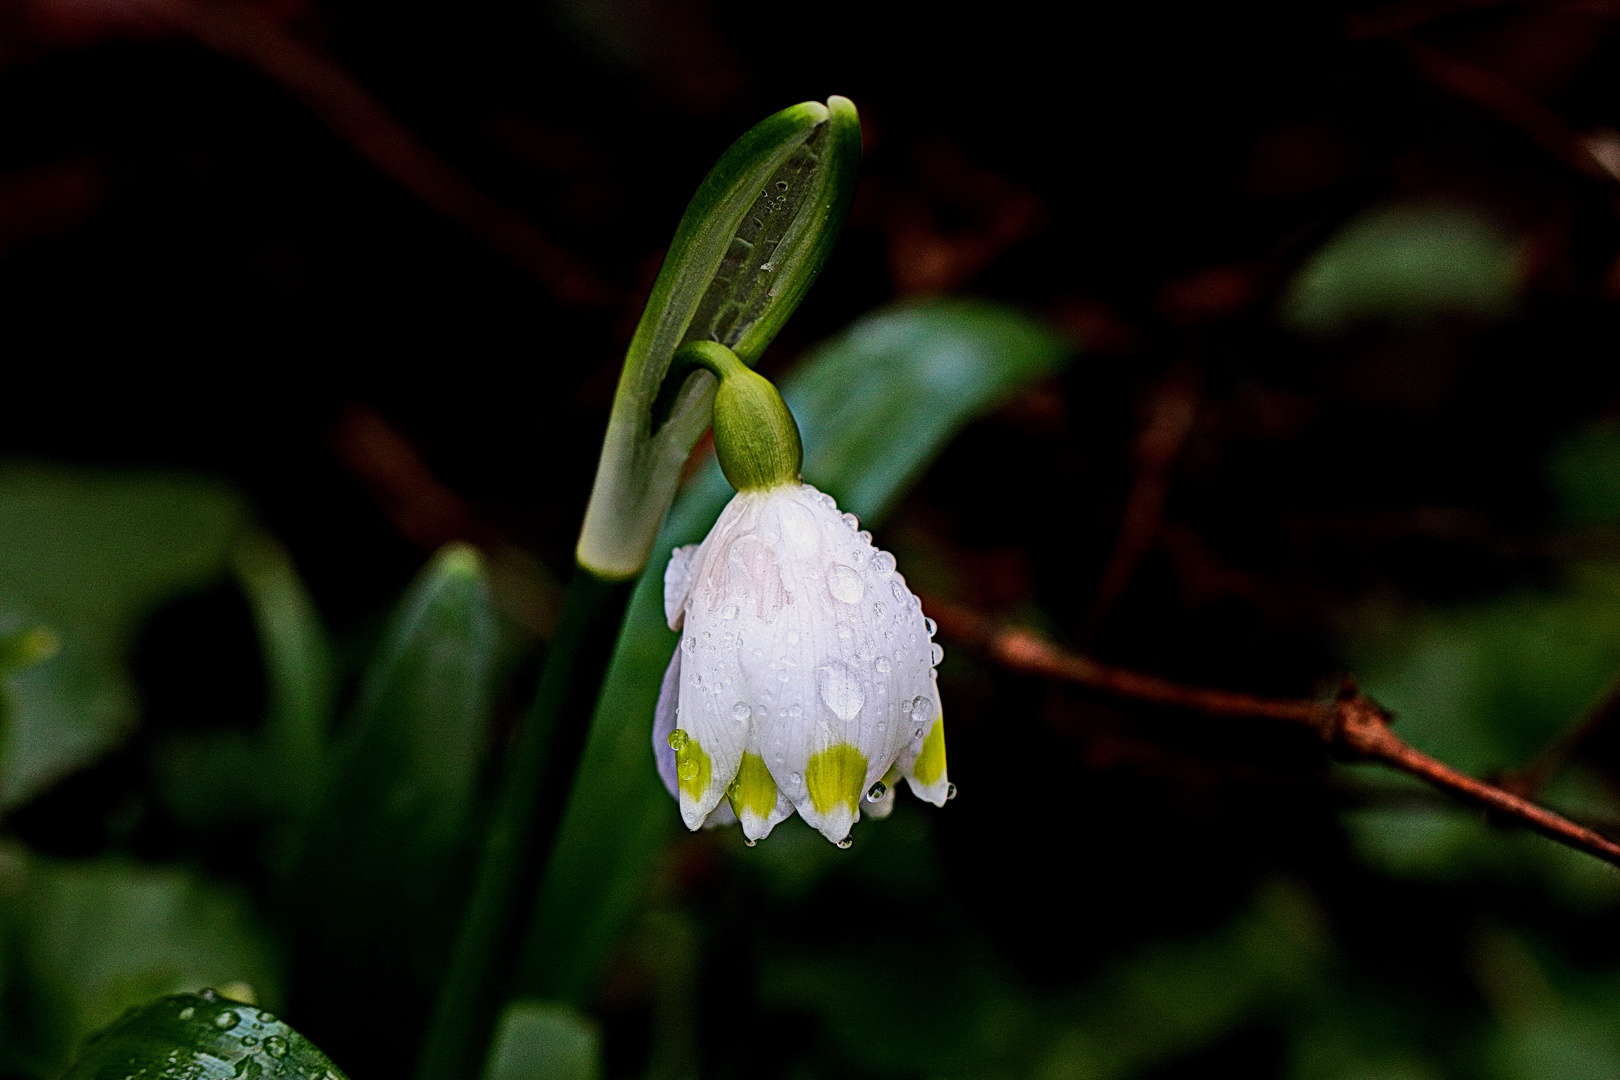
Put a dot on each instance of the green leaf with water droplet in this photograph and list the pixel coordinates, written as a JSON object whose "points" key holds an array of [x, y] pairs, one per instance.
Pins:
{"points": [[389, 849], [201, 1037], [875, 405], [85, 940]]}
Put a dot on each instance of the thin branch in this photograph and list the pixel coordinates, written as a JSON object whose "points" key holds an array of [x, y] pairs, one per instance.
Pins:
{"points": [[1513, 106], [1353, 724], [1170, 420], [338, 99]]}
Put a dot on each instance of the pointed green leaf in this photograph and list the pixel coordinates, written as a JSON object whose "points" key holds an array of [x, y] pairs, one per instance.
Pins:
{"points": [[201, 1037], [875, 405], [387, 853]]}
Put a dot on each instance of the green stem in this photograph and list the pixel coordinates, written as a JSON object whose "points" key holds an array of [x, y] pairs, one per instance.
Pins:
{"points": [[534, 794]]}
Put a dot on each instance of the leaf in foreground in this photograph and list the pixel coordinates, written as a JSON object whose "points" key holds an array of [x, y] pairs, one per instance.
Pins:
{"points": [[201, 1037]]}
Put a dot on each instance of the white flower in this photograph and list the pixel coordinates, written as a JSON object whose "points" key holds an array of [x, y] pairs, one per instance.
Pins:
{"points": [[804, 679]]}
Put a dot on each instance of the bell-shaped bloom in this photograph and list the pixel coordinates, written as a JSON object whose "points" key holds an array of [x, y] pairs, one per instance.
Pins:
{"points": [[804, 679]]}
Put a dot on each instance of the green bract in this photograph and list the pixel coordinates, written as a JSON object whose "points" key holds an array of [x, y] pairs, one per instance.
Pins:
{"points": [[751, 242]]}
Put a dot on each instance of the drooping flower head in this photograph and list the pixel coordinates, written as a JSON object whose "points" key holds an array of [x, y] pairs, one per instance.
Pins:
{"points": [[804, 679]]}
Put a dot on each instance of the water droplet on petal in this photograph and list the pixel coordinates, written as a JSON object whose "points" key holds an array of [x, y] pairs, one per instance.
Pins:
{"points": [[882, 727], [796, 711], [677, 740], [226, 1019], [841, 690], [878, 608], [852, 521], [275, 1046], [188, 1012], [250, 1040], [936, 653], [846, 843], [876, 791], [901, 596], [883, 563], [689, 769], [688, 644], [930, 626], [749, 843], [795, 779], [905, 708], [883, 665], [741, 710], [950, 792], [922, 708], [845, 584], [729, 611], [866, 537]]}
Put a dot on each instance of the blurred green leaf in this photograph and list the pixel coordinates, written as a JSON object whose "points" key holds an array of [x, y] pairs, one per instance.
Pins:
{"points": [[92, 939], [387, 853], [1584, 473], [297, 661], [201, 1037], [545, 1040], [89, 555], [874, 406], [1406, 263]]}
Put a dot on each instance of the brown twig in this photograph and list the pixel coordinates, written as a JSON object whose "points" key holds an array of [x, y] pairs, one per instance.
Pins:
{"points": [[1352, 724], [1512, 105], [1170, 420], [240, 31]]}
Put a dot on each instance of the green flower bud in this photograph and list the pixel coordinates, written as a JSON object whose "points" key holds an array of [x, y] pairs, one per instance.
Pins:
{"points": [[755, 436]]}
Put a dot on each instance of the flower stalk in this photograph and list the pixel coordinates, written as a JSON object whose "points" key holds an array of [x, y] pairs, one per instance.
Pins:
{"points": [[751, 242]]}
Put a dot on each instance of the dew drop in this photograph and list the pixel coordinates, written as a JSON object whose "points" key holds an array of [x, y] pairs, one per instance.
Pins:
{"points": [[883, 665], [930, 626], [845, 584], [795, 779], [876, 791], [878, 608], [188, 1012], [888, 635], [841, 689], [796, 711], [906, 707], [707, 635], [275, 1046], [749, 843], [852, 521], [950, 792], [900, 595], [882, 727], [677, 740], [688, 644], [250, 1040], [689, 769], [936, 653], [866, 537], [741, 710], [729, 611], [883, 564], [226, 1019], [846, 843], [922, 709]]}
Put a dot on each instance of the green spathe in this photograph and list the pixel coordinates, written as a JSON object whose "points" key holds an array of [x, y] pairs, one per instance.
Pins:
{"points": [[755, 437], [752, 241]]}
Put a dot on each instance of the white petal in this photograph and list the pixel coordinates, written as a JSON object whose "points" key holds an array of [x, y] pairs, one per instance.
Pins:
{"points": [[664, 723], [923, 762], [678, 584]]}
